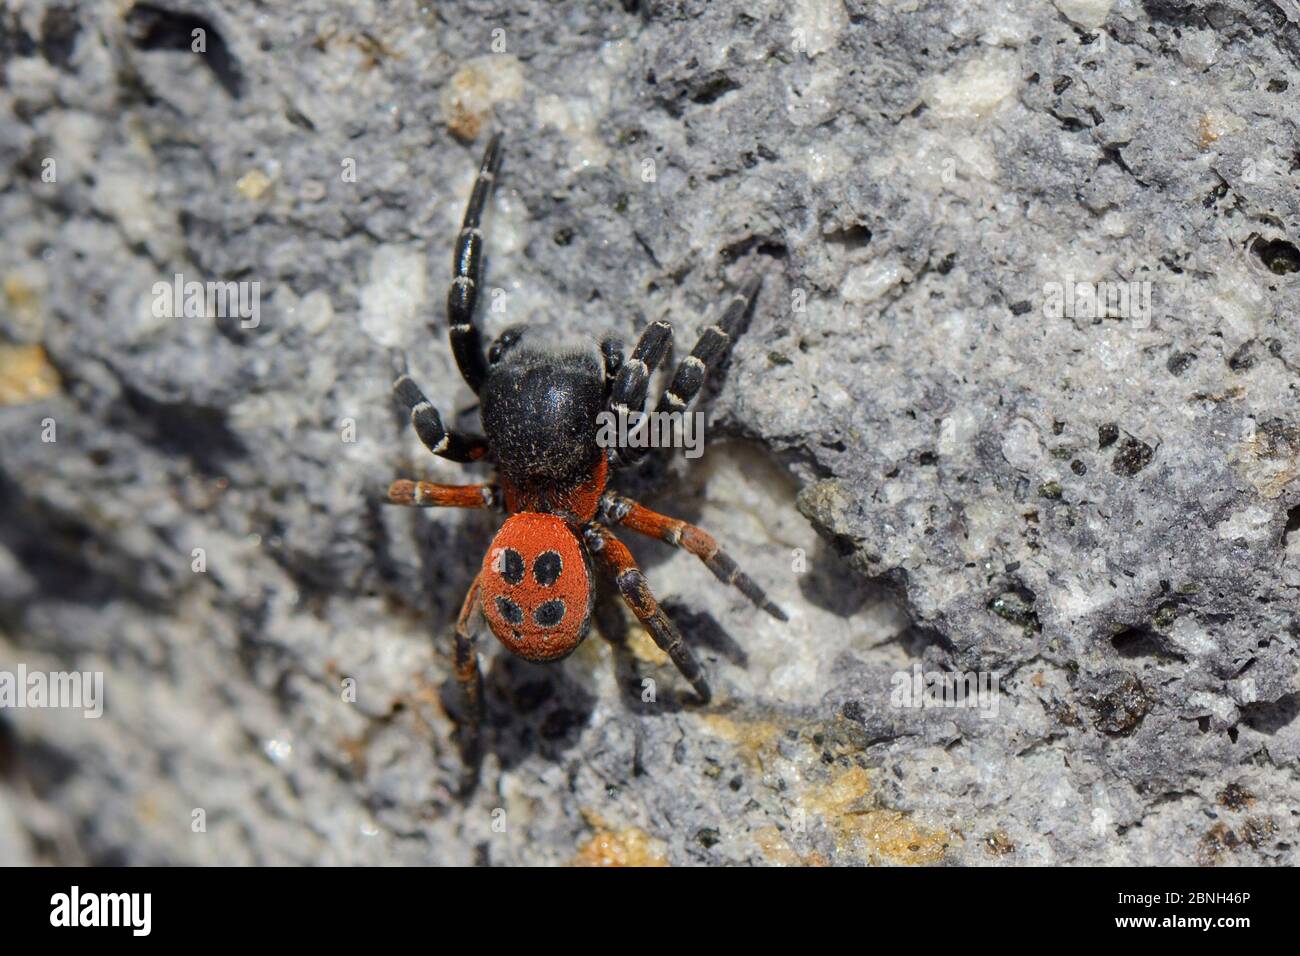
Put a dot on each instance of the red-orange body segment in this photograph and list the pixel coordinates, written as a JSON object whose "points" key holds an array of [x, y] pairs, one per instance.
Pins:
{"points": [[581, 500], [535, 587]]}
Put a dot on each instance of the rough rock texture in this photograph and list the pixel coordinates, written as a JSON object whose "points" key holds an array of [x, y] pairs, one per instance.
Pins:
{"points": [[1095, 508]]}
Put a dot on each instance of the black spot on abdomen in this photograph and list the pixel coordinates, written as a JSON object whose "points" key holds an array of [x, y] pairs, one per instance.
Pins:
{"points": [[547, 568], [511, 566], [550, 613], [510, 611]]}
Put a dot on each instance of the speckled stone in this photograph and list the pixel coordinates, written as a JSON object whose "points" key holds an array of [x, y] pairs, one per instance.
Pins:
{"points": [[1018, 404]]}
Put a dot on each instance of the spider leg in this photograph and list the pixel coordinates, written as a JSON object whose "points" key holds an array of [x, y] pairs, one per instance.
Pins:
{"points": [[464, 657], [618, 510], [454, 445], [425, 494], [470, 679], [631, 583], [711, 349], [633, 378], [467, 268], [627, 397], [611, 350], [713, 346]]}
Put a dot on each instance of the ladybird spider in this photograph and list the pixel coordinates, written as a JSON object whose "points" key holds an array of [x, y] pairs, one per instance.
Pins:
{"points": [[539, 402]]}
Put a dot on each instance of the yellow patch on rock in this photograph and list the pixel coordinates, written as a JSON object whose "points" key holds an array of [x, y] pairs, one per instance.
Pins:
{"points": [[882, 835], [26, 374], [862, 831], [644, 649], [777, 850], [253, 184], [476, 87], [21, 296], [1269, 459], [1216, 124], [630, 846], [752, 739]]}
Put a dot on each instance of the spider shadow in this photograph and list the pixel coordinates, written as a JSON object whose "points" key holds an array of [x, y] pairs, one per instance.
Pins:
{"points": [[701, 630], [541, 709], [532, 708], [639, 692], [832, 585]]}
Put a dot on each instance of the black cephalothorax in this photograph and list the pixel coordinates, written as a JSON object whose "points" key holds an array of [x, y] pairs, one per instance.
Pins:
{"points": [[539, 410]]}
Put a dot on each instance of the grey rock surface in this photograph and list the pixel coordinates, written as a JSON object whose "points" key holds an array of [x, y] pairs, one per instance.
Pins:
{"points": [[937, 456]]}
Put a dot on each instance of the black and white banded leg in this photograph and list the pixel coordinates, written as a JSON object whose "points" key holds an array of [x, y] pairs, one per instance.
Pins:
{"points": [[452, 445], [712, 348], [710, 351], [467, 268], [611, 352], [629, 392], [631, 583]]}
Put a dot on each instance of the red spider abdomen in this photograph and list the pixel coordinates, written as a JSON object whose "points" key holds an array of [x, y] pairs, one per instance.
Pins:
{"points": [[536, 587]]}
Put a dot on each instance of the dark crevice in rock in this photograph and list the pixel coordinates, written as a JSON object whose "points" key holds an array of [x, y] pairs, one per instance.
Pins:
{"points": [[14, 40], [157, 28], [1111, 153], [856, 236], [1180, 362], [1016, 605], [761, 245], [1176, 13], [1137, 642], [1131, 457], [1244, 358], [1279, 256], [1272, 716], [1292, 525], [713, 88], [59, 29]]}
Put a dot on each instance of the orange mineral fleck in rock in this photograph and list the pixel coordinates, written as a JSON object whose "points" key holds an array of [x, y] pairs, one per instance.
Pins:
{"points": [[629, 847], [26, 374]]}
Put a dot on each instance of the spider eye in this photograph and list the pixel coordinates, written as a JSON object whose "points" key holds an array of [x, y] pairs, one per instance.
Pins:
{"points": [[503, 344]]}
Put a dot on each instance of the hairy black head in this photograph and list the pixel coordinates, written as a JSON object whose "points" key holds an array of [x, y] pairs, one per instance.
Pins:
{"points": [[539, 409]]}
